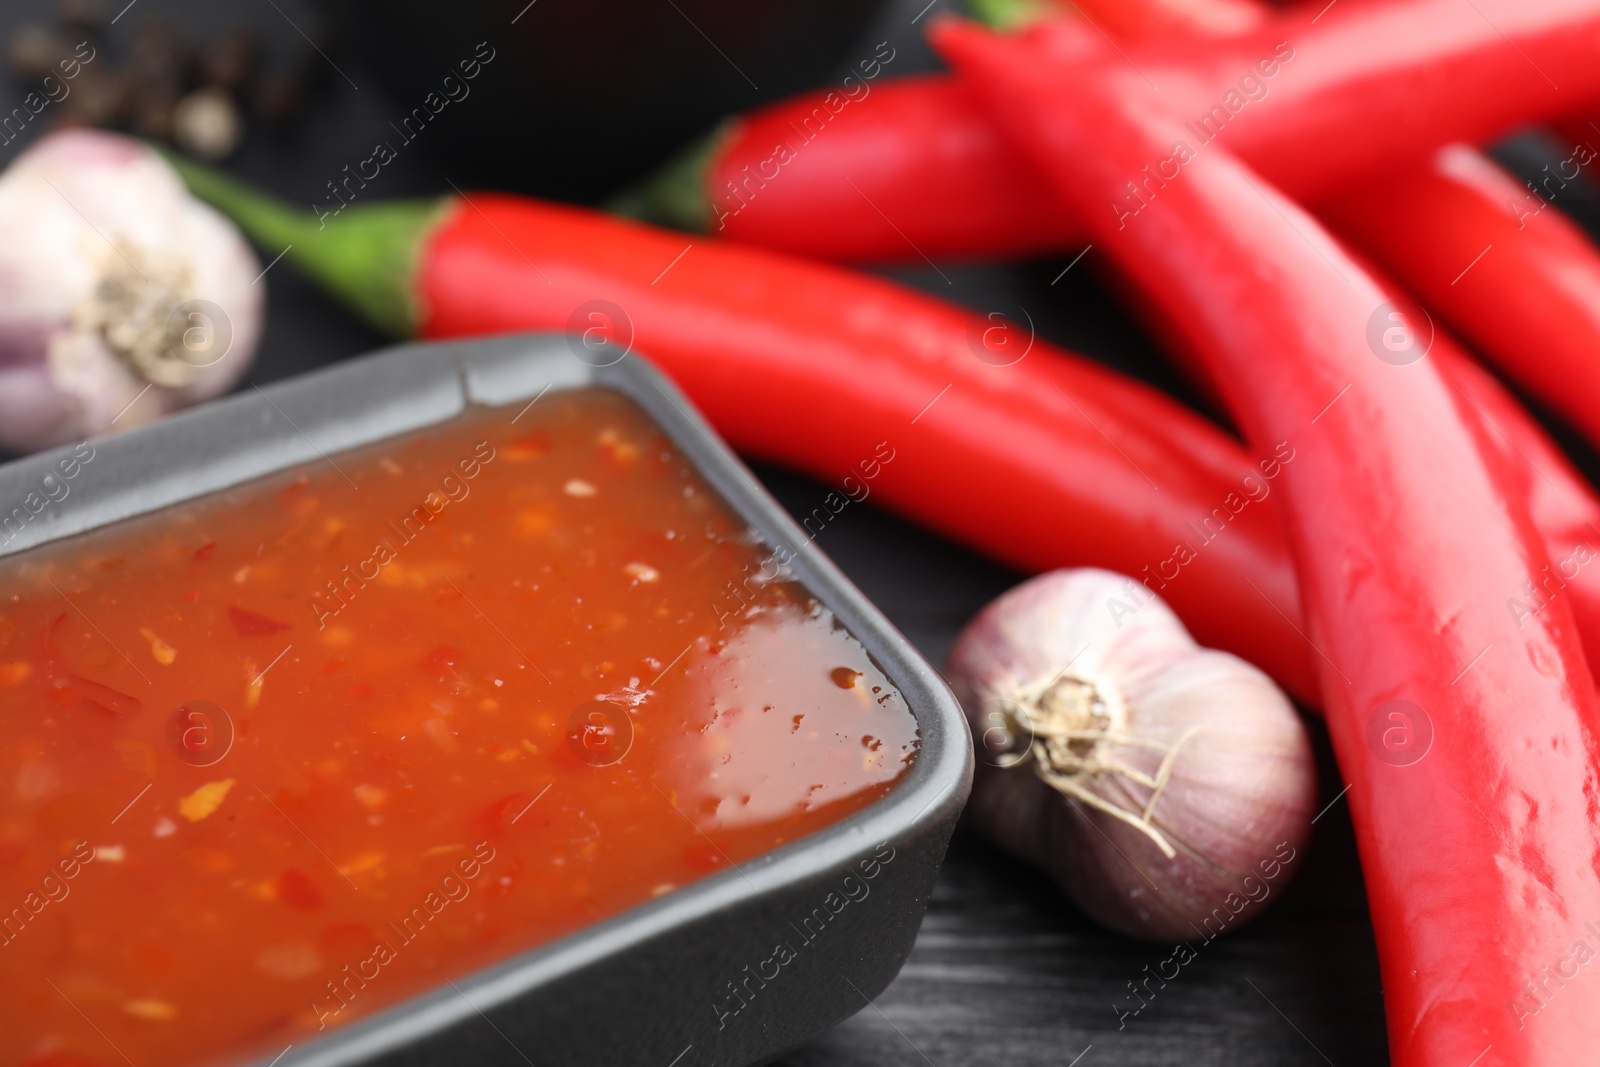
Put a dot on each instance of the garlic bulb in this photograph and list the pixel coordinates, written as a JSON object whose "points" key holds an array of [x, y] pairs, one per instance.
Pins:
{"points": [[1169, 788], [121, 296]]}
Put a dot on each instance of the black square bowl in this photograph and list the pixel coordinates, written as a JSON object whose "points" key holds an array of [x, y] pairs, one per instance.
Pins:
{"points": [[734, 969]]}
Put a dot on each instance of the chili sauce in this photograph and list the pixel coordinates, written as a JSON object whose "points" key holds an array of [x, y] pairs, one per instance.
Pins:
{"points": [[288, 754]]}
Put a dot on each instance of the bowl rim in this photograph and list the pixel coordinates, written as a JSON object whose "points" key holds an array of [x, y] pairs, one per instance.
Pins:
{"points": [[404, 388]]}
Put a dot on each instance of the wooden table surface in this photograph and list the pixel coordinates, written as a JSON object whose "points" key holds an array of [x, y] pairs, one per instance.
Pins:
{"points": [[1005, 972]]}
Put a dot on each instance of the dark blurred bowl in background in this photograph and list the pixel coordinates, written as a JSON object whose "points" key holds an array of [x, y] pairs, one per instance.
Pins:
{"points": [[583, 96]]}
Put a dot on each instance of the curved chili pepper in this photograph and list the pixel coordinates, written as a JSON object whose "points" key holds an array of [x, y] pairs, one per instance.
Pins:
{"points": [[1560, 501], [1048, 461], [1061, 463], [912, 168], [1519, 281], [1516, 278], [1534, 309], [1580, 129], [1480, 856], [1435, 71], [72, 689], [1152, 20]]}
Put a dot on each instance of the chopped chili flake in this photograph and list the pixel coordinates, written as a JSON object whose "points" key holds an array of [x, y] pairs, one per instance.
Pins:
{"points": [[205, 800], [702, 856], [365, 862], [617, 448], [297, 889], [250, 624], [94, 696], [155, 1010], [528, 446]]}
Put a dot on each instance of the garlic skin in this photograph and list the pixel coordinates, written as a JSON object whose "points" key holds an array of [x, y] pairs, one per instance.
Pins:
{"points": [[1115, 715], [113, 278]]}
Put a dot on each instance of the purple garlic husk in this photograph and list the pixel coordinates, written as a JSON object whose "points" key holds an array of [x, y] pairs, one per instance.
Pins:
{"points": [[122, 297], [1168, 788]]}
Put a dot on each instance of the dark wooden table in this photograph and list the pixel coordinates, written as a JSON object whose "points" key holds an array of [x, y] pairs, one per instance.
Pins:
{"points": [[1006, 971]]}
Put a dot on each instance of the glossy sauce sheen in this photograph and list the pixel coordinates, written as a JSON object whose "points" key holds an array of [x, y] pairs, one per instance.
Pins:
{"points": [[429, 767]]}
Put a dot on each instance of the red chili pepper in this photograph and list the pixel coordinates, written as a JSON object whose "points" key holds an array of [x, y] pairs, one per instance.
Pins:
{"points": [[911, 167], [1480, 856], [1483, 250], [1154, 20], [1515, 277], [1053, 461], [1580, 129], [912, 170], [919, 170], [1519, 281], [251, 624], [1534, 309], [1534, 306], [1047, 462], [1561, 503], [298, 889]]}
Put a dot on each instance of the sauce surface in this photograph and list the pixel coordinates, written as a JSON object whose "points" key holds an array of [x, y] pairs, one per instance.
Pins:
{"points": [[280, 757]]}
